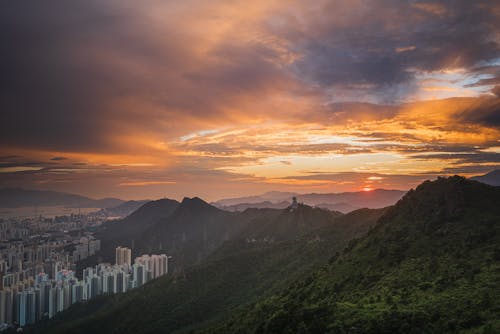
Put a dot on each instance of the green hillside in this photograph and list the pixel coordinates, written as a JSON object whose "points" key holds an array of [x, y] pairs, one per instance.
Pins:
{"points": [[236, 274], [431, 265]]}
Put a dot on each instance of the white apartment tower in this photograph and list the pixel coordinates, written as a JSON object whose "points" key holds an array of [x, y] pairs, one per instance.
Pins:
{"points": [[123, 256]]}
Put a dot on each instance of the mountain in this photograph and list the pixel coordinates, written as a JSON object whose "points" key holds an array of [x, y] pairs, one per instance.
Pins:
{"points": [[16, 197], [492, 178], [271, 196], [234, 275], [430, 265], [123, 232], [258, 205], [290, 224], [340, 207], [378, 198], [343, 202], [189, 231], [124, 209]]}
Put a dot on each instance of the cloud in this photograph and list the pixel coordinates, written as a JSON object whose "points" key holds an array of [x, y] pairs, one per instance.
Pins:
{"points": [[97, 94], [97, 73], [496, 90], [359, 48]]}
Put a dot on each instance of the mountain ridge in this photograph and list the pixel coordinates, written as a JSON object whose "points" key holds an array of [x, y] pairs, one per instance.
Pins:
{"points": [[492, 178], [438, 243], [377, 198], [18, 197], [430, 263]]}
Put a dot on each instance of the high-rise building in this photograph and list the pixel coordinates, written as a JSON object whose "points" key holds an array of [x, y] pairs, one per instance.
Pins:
{"points": [[52, 302], [30, 307], [123, 256], [21, 306], [45, 297], [77, 292], [9, 316], [60, 298], [38, 304], [138, 274]]}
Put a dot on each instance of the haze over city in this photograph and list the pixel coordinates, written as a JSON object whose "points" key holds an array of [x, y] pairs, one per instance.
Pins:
{"points": [[215, 99]]}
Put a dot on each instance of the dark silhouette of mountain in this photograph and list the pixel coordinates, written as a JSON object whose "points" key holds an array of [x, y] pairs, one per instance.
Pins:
{"points": [[378, 198], [123, 231], [17, 197], [340, 207], [259, 205], [189, 234], [236, 274], [124, 209], [347, 201], [189, 231], [271, 196], [127, 231], [492, 178], [291, 223]]}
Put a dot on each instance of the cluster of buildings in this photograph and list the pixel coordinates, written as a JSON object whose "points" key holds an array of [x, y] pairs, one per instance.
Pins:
{"points": [[38, 258], [20, 261], [85, 247], [29, 246], [46, 294]]}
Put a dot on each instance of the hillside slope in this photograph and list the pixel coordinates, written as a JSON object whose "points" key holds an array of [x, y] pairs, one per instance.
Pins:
{"points": [[234, 275], [431, 265]]}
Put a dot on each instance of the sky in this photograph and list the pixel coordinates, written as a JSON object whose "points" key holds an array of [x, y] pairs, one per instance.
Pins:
{"points": [[211, 98]]}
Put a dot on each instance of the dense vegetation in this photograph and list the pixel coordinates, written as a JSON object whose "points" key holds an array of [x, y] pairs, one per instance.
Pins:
{"points": [[429, 264], [261, 261]]}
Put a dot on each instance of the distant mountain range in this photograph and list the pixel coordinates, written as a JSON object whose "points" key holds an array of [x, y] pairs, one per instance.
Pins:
{"points": [[492, 178], [17, 197], [343, 202], [428, 264]]}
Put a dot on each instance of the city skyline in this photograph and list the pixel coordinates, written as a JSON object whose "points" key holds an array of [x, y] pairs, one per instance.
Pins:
{"points": [[216, 100]]}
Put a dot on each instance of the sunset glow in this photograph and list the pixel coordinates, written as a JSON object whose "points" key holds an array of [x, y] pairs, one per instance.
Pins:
{"points": [[215, 99]]}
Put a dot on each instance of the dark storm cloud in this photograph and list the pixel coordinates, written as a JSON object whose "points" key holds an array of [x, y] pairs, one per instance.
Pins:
{"points": [[464, 158], [496, 90], [76, 73], [45, 96], [383, 43], [485, 111], [110, 83]]}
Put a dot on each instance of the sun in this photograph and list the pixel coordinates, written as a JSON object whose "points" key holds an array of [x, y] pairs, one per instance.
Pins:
{"points": [[367, 188]]}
